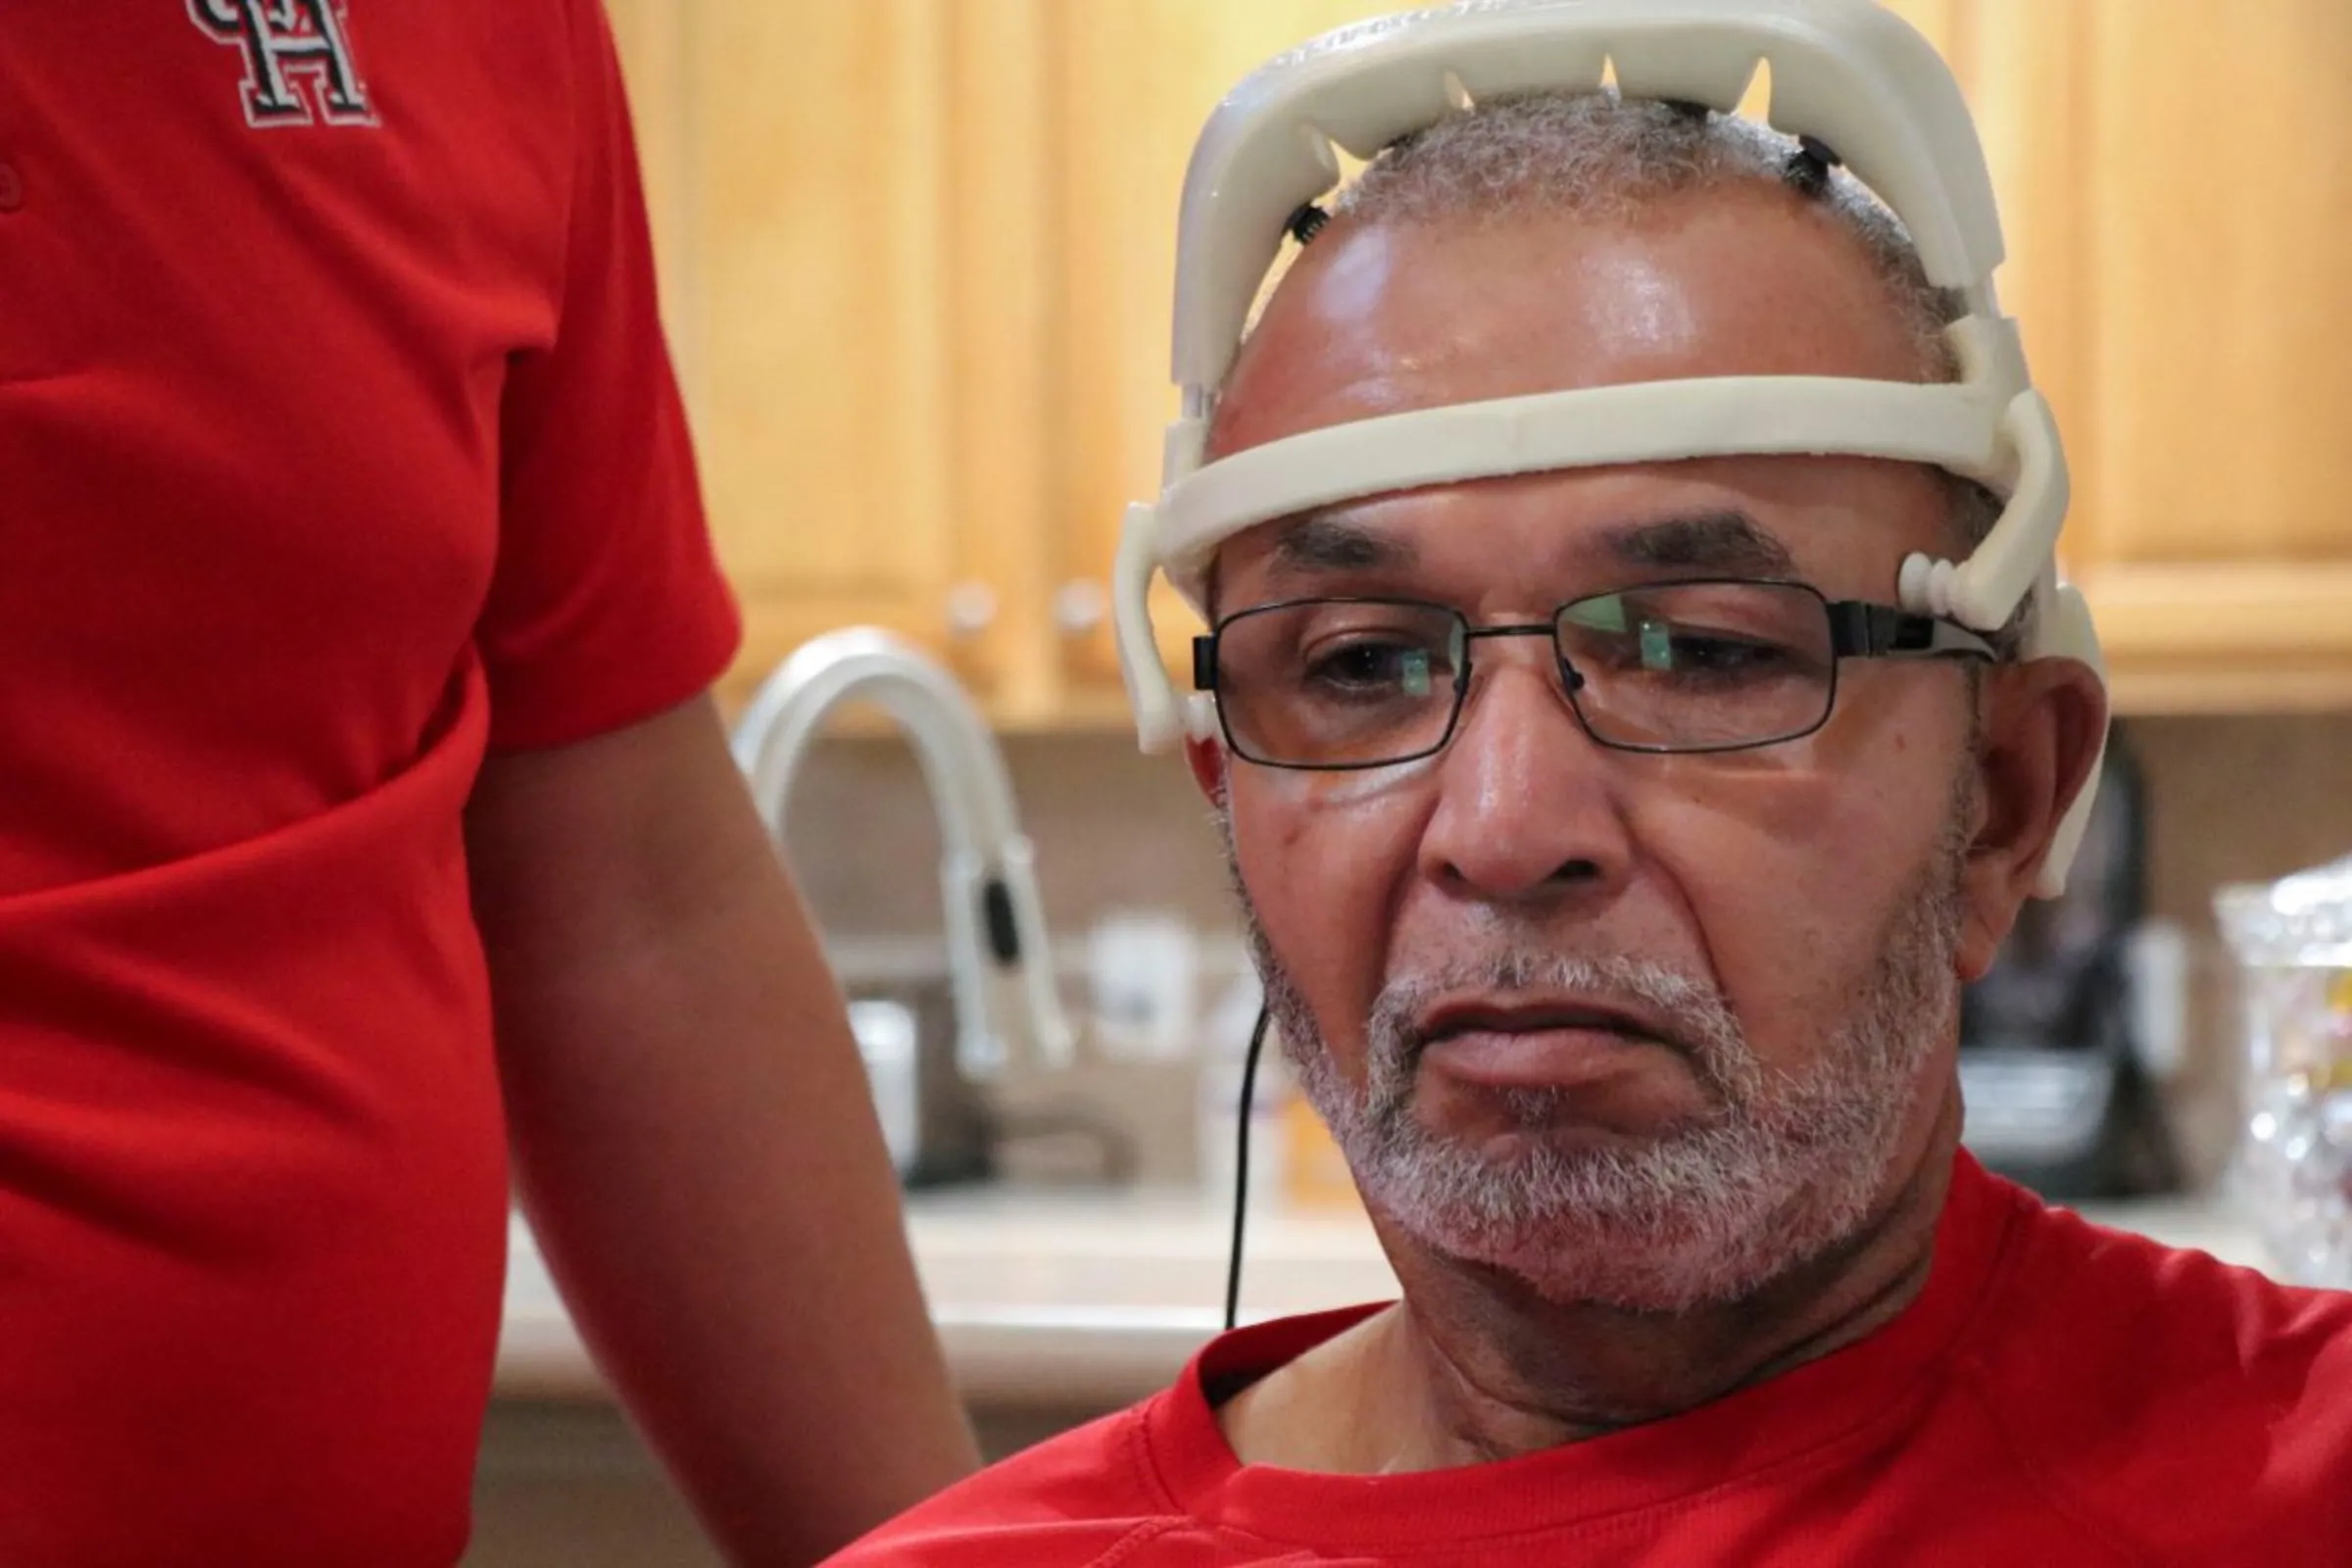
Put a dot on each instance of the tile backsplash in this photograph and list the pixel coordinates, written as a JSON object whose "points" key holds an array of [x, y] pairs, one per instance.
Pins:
{"points": [[2228, 799], [1112, 828]]}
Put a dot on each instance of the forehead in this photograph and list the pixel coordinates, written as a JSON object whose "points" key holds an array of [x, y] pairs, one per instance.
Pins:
{"points": [[1382, 319]]}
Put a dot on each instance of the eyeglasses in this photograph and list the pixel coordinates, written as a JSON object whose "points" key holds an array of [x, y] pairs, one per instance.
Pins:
{"points": [[1721, 665]]}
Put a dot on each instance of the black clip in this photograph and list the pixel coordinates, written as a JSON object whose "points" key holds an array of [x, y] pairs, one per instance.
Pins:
{"points": [[1809, 165], [1306, 223]]}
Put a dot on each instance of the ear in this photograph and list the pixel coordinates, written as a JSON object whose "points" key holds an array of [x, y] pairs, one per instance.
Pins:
{"points": [[1207, 758], [2040, 725]]}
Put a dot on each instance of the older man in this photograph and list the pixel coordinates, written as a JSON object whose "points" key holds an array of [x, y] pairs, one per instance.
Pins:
{"points": [[1615, 849]]}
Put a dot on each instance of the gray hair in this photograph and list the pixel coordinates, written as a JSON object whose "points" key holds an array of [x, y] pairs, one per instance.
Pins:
{"points": [[1594, 154]]}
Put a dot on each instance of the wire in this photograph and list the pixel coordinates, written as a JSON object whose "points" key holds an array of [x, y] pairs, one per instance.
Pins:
{"points": [[1241, 1170]]}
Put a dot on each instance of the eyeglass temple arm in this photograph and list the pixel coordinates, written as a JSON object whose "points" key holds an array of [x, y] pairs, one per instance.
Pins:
{"points": [[1861, 630]]}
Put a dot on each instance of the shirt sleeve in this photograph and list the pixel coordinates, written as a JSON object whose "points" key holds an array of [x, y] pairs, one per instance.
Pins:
{"points": [[606, 604]]}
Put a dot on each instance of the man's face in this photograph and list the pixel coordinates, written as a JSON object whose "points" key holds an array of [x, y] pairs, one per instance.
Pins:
{"points": [[1648, 1029]]}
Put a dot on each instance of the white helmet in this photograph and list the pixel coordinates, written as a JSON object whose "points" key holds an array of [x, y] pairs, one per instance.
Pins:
{"points": [[1848, 72]]}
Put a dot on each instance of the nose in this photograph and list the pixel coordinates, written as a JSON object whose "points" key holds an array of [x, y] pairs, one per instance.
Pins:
{"points": [[1526, 811]]}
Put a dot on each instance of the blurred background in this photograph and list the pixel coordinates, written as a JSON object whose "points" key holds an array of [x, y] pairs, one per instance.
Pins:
{"points": [[917, 258]]}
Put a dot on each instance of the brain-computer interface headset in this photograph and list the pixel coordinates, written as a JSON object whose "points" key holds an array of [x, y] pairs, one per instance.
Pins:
{"points": [[1851, 81]]}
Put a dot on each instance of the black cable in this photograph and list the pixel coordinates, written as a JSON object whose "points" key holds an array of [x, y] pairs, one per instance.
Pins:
{"points": [[1240, 1169]]}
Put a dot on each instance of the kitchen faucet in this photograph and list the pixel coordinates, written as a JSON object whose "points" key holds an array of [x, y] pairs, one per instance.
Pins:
{"points": [[1000, 968]]}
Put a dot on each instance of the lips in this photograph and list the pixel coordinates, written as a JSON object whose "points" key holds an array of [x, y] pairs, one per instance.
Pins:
{"points": [[1465, 1016], [1537, 1044]]}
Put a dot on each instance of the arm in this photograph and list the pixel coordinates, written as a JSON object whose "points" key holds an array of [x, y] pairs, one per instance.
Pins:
{"points": [[695, 1140]]}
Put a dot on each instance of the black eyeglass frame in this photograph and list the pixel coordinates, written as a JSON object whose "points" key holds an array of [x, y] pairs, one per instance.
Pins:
{"points": [[1859, 629]]}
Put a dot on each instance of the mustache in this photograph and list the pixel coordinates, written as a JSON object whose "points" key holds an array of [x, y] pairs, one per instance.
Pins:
{"points": [[1700, 1023]]}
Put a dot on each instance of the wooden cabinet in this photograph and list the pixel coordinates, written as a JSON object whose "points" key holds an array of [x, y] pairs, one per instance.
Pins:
{"points": [[2181, 187], [2176, 197], [1139, 80], [917, 259], [846, 200]]}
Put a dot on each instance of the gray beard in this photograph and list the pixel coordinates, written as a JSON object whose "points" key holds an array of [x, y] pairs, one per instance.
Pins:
{"points": [[1791, 1166]]}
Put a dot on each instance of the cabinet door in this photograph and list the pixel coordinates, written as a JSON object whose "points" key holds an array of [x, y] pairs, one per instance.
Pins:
{"points": [[2217, 393], [820, 176], [2020, 63], [1138, 79]]}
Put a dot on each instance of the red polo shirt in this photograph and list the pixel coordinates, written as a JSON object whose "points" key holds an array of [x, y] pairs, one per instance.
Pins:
{"points": [[337, 442]]}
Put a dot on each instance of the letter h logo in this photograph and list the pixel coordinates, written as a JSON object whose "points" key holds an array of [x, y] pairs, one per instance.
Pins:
{"points": [[296, 51]]}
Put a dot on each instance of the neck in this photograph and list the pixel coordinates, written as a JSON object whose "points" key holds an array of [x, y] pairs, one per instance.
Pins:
{"points": [[1478, 1367]]}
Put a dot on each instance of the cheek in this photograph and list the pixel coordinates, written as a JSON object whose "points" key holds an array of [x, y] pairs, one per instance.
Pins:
{"points": [[1324, 859], [1790, 874]]}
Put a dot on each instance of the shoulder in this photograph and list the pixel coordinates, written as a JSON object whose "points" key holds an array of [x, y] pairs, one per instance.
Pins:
{"points": [[2130, 1299], [1067, 1500], [1146, 1473], [2144, 1381]]}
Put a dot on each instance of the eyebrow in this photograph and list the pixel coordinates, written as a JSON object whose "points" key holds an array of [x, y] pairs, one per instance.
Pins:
{"points": [[1324, 542], [1727, 542]]}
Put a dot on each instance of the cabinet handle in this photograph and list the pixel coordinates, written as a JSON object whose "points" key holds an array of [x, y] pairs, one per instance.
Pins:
{"points": [[1079, 607], [971, 607]]}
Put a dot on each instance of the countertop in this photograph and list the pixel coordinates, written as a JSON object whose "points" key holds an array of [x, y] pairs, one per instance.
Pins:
{"points": [[1094, 1299]]}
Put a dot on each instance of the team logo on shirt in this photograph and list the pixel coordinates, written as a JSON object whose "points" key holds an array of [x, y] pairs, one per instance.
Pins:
{"points": [[299, 68]]}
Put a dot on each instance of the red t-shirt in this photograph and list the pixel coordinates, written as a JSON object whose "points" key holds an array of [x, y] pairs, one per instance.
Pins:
{"points": [[2059, 1394], [337, 442]]}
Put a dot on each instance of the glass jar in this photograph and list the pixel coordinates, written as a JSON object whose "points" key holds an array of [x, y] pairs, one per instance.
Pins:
{"points": [[2294, 1173]]}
